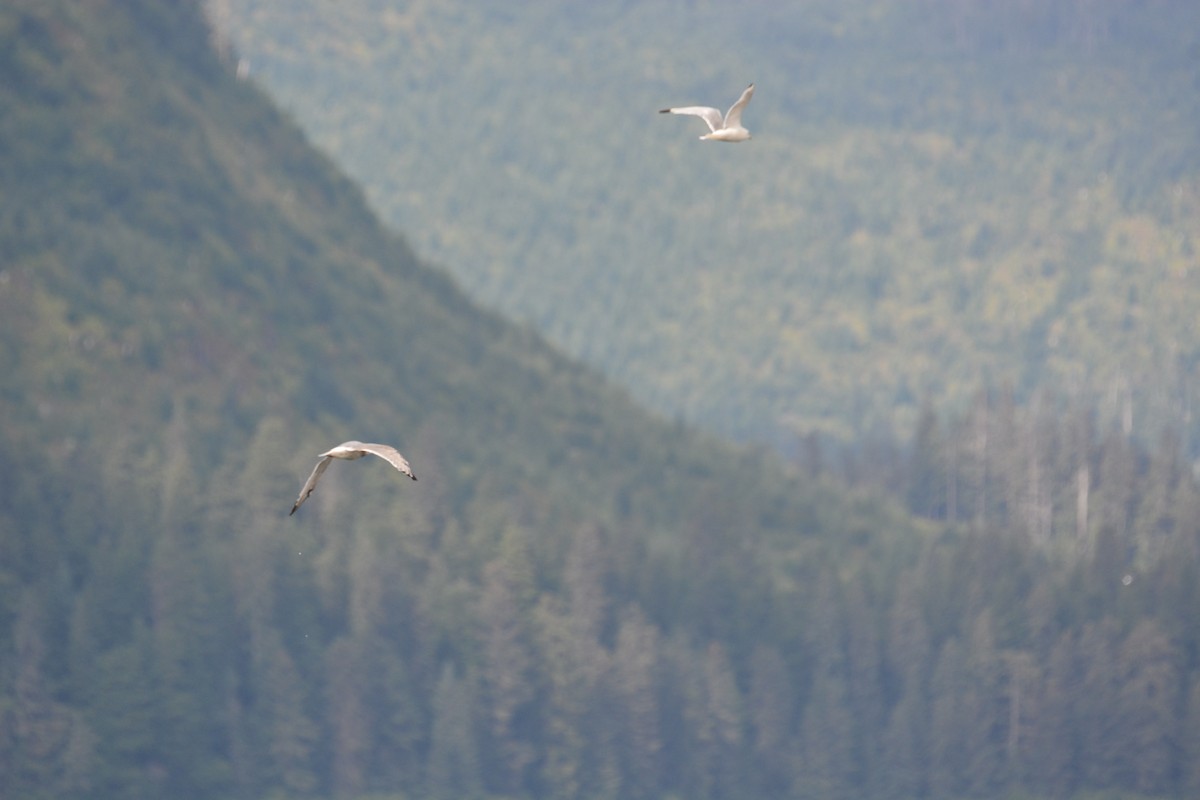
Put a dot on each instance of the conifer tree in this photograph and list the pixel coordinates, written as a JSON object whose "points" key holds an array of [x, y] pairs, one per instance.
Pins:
{"points": [[635, 675], [453, 766], [506, 677]]}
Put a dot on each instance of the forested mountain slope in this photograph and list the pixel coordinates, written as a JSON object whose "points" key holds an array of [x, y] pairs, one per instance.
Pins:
{"points": [[939, 195], [575, 599]]}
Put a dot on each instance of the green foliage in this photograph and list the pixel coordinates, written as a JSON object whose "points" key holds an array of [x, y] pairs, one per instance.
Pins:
{"points": [[576, 599], [938, 194]]}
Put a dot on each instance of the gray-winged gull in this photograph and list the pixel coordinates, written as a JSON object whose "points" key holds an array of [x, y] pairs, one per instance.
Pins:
{"points": [[348, 451], [727, 129]]}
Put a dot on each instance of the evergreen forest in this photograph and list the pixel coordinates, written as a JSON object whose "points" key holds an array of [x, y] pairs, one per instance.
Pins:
{"points": [[939, 194], [579, 597]]}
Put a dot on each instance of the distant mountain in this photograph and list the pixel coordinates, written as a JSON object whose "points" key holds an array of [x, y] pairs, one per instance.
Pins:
{"points": [[193, 304], [939, 196], [175, 251], [577, 597]]}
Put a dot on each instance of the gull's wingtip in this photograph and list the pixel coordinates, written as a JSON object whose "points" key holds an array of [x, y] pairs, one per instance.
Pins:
{"points": [[293, 511], [664, 111]]}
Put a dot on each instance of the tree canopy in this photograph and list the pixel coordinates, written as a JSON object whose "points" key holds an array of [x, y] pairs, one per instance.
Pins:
{"points": [[577, 598], [939, 194]]}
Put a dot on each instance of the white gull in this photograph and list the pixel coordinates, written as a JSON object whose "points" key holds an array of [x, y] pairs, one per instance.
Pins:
{"points": [[348, 451], [726, 129]]}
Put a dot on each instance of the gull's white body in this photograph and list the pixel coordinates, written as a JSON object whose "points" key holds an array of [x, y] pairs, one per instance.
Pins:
{"points": [[721, 129], [348, 451]]}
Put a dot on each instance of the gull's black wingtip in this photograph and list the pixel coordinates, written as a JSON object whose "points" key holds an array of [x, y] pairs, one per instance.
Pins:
{"points": [[664, 111], [293, 511]]}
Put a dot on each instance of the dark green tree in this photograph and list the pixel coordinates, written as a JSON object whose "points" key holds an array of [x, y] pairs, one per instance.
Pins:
{"points": [[926, 492], [949, 757], [1054, 740], [1102, 750], [769, 709], [1147, 714], [1190, 740], [453, 766], [635, 675], [507, 680]]}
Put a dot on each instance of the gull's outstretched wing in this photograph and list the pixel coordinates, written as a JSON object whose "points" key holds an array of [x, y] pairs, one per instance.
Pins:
{"points": [[390, 455], [733, 119], [311, 483], [710, 115], [350, 451]]}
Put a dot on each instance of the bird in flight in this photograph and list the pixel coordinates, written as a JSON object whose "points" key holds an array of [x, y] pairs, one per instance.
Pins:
{"points": [[727, 129], [348, 451]]}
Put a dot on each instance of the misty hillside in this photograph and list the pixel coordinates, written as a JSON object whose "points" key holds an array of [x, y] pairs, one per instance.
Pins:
{"points": [[939, 196], [576, 598], [194, 303]]}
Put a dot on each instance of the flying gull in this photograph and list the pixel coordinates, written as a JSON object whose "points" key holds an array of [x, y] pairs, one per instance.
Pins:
{"points": [[728, 129], [348, 451]]}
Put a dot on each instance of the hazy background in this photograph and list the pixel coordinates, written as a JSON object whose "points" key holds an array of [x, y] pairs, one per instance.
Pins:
{"points": [[961, 243], [939, 196]]}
